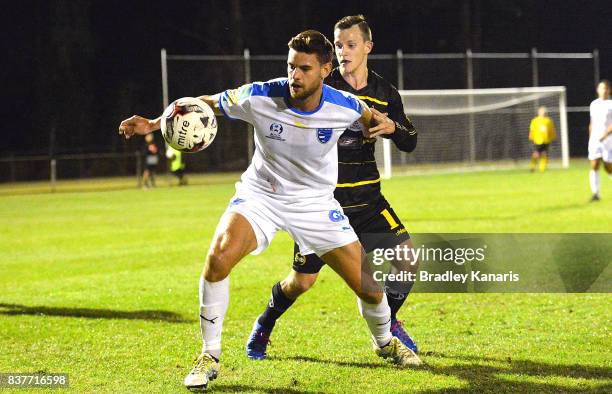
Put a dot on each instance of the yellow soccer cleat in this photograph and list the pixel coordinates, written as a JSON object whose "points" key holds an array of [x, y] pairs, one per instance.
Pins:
{"points": [[398, 353], [204, 370]]}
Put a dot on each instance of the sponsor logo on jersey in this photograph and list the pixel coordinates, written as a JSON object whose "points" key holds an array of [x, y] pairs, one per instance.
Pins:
{"points": [[276, 131], [324, 135], [335, 215], [349, 141], [401, 231]]}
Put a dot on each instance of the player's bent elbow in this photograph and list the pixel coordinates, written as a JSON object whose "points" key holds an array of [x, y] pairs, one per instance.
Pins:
{"points": [[409, 145]]}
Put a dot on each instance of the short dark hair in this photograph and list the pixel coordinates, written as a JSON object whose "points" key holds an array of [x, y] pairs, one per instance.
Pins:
{"points": [[312, 41], [349, 21], [605, 82]]}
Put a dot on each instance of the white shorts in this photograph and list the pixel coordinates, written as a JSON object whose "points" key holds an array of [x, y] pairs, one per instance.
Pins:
{"points": [[316, 226], [600, 150]]}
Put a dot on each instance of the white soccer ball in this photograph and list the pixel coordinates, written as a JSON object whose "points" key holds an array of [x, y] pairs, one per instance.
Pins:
{"points": [[189, 125]]}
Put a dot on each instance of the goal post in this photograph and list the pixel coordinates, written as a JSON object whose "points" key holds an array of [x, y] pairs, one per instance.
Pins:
{"points": [[476, 128]]}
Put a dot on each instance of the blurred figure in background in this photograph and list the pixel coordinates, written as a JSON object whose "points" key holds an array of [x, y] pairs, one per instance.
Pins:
{"points": [[600, 141], [177, 165], [151, 161], [541, 133]]}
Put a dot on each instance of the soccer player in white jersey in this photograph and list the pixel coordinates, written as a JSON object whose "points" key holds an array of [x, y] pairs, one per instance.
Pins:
{"points": [[289, 185], [600, 136]]}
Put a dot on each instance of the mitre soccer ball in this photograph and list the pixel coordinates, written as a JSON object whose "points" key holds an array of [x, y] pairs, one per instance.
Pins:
{"points": [[189, 125]]}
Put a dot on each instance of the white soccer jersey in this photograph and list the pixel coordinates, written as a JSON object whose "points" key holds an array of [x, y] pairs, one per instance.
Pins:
{"points": [[295, 152], [601, 119]]}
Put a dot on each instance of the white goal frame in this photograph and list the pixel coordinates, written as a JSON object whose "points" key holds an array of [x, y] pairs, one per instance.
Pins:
{"points": [[470, 93]]}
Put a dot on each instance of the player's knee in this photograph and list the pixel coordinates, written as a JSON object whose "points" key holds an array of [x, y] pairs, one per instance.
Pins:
{"points": [[370, 297], [218, 265], [297, 283]]}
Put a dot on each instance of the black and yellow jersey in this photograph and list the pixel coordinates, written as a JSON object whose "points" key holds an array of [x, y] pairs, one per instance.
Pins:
{"points": [[358, 178]]}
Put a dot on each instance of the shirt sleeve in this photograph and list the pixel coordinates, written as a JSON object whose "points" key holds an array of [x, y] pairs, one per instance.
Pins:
{"points": [[405, 135], [236, 103]]}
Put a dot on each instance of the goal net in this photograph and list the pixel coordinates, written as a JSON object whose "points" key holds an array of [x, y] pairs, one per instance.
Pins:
{"points": [[475, 128]]}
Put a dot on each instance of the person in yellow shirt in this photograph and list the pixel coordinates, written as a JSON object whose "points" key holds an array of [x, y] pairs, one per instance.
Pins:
{"points": [[177, 165], [541, 133]]}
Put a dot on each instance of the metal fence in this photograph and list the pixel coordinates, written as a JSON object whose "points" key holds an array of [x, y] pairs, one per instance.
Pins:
{"points": [[186, 75], [64, 167]]}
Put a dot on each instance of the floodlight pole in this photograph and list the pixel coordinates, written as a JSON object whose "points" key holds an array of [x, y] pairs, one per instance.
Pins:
{"points": [[470, 85], [247, 79], [164, 75], [165, 103], [564, 130], [535, 78], [53, 171], [596, 65]]}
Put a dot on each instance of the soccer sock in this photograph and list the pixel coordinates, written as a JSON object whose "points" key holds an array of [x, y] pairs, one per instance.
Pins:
{"points": [[214, 299], [532, 163], [594, 181], [396, 299], [397, 292], [543, 162], [278, 304], [378, 317]]}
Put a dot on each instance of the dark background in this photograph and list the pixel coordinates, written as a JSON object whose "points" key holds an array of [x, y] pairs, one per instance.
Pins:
{"points": [[77, 68]]}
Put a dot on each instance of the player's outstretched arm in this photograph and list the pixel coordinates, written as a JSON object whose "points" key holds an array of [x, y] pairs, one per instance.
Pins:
{"points": [[213, 102], [139, 125]]}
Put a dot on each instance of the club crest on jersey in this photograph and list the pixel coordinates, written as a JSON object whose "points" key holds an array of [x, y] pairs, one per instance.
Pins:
{"points": [[324, 135], [276, 129], [335, 215]]}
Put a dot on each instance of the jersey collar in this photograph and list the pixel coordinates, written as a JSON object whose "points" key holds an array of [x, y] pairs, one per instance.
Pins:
{"points": [[297, 111]]}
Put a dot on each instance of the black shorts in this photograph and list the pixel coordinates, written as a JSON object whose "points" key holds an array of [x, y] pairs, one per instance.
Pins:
{"points": [[376, 226], [541, 148]]}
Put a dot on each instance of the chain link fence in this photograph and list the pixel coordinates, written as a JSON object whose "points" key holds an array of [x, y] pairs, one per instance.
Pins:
{"points": [[188, 75]]}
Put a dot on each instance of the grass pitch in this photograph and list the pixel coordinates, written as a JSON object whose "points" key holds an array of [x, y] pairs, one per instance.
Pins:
{"points": [[102, 285]]}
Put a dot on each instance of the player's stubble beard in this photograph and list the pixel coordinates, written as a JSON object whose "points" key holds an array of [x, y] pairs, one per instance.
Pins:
{"points": [[305, 94]]}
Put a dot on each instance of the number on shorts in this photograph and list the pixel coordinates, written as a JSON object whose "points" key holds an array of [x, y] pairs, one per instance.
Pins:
{"points": [[387, 215]]}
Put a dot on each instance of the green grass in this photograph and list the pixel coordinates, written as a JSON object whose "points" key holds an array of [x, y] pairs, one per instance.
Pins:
{"points": [[98, 285]]}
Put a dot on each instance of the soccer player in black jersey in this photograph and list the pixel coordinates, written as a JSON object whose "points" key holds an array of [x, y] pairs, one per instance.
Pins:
{"points": [[358, 189]]}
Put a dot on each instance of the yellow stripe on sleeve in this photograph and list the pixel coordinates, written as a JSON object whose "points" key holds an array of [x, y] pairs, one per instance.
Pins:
{"points": [[373, 100], [361, 183]]}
